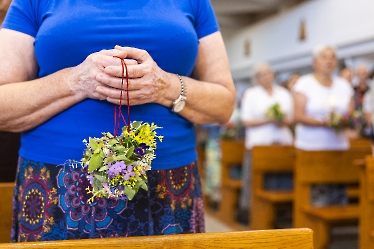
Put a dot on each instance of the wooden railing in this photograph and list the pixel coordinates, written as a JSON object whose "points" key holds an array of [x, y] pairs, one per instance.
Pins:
{"points": [[269, 239]]}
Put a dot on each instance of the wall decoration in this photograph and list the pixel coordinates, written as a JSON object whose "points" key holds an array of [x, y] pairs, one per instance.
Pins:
{"points": [[247, 48], [302, 30]]}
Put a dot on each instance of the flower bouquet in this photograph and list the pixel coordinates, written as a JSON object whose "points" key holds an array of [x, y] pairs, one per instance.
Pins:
{"points": [[275, 112], [117, 165], [340, 122]]}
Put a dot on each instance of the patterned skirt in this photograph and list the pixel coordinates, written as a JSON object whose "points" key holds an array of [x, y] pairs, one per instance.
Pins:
{"points": [[50, 203]]}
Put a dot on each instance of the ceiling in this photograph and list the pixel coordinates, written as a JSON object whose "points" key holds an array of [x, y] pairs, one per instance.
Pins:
{"points": [[240, 13]]}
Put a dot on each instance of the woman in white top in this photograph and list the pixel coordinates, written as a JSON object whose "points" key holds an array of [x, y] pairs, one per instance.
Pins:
{"points": [[261, 129], [316, 96]]}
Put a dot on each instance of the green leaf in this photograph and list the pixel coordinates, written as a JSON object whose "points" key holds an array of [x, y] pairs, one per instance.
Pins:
{"points": [[96, 185], [100, 178], [130, 193], [108, 134], [103, 168], [113, 142], [94, 144], [95, 162], [121, 158], [129, 152], [126, 140], [136, 124], [109, 160], [119, 148], [129, 162], [144, 186]]}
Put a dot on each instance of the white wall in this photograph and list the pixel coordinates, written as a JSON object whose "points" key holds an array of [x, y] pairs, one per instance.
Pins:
{"points": [[346, 24]]}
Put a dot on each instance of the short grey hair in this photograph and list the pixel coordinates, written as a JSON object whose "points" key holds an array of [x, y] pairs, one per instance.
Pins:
{"points": [[257, 68], [321, 47], [362, 66]]}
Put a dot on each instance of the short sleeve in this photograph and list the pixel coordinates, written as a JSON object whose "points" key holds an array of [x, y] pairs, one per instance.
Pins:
{"points": [[23, 16], [205, 20], [300, 86]]}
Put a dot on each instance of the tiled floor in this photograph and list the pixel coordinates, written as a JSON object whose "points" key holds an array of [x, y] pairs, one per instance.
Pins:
{"points": [[212, 224]]}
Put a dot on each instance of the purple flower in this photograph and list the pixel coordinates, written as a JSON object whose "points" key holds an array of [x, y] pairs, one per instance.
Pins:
{"points": [[90, 178], [111, 175], [116, 168], [144, 146], [140, 151], [128, 172]]}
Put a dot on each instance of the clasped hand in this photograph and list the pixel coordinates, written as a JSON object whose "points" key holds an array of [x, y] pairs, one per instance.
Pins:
{"points": [[100, 77]]}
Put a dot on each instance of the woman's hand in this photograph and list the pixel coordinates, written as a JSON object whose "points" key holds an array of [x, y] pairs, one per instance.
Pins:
{"points": [[148, 83], [83, 78]]}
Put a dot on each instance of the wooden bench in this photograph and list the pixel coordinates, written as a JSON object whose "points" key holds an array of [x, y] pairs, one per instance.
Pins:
{"points": [[353, 191], [269, 159], [366, 233], [7, 191], [269, 239], [324, 167], [201, 166], [232, 154]]}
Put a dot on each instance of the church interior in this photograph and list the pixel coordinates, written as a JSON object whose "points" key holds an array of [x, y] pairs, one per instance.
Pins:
{"points": [[254, 186]]}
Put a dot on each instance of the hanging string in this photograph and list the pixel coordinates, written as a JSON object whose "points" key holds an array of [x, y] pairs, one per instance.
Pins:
{"points": [[118, 115]]}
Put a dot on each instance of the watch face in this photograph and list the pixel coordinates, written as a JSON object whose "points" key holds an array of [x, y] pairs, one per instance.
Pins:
{"points": [[179, 106]]}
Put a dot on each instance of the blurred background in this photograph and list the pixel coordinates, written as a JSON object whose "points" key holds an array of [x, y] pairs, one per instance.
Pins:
{"points": [[281, 33]]}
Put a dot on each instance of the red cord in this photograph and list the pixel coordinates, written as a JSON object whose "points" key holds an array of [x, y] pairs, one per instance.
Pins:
{"points": [[118, 114]]}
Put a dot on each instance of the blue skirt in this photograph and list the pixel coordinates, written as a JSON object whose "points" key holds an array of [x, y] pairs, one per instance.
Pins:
{"points": [[50, 203]]}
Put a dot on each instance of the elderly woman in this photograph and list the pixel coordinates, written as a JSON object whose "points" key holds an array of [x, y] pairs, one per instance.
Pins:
{"points": [[316, 96], [61, 82], [262, 128]]}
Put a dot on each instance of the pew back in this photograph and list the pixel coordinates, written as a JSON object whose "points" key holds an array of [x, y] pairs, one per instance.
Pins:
{"points": [[273, 158], [269, 159], [232, 154], [269, 239], [324, 167], [7, 191], [366, 234]]}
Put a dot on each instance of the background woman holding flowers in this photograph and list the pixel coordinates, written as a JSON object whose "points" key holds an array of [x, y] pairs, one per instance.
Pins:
{"points": [[319, 97], [60, 80], [267, 115]]}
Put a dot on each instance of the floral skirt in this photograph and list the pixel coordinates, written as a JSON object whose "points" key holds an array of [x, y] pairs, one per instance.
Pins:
{"points": [[50, 203]]}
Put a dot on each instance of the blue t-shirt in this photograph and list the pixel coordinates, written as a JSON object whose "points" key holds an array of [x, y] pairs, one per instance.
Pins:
{"points": [[67, 31]]}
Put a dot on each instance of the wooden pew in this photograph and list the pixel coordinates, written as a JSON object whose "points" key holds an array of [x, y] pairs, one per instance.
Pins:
{"points": [[6, 190], [201, 166], [268, 239], [324, 167], [366, 232], [269, 159], [353, 191], [232, 153]]}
